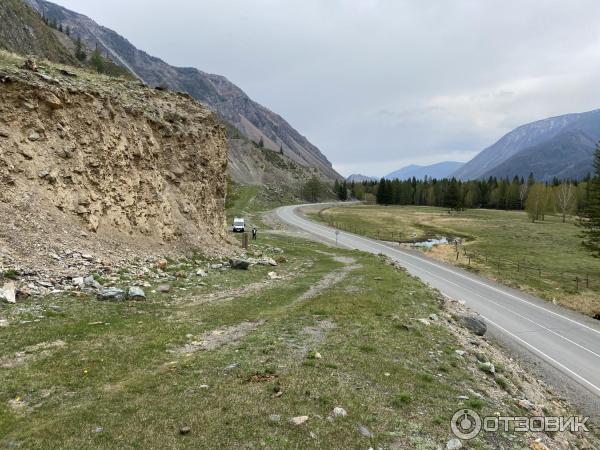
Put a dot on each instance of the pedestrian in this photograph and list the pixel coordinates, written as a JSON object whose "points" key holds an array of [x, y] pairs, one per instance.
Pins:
{"points": [[254, 233]]}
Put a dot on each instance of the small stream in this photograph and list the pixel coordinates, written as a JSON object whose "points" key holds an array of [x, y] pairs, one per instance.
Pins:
{"points": [[430, 243]]}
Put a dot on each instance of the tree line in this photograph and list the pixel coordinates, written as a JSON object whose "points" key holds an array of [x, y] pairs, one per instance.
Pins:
{"points": [[565, 197]]}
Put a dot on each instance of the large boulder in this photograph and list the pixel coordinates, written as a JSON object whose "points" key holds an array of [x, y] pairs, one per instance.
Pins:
{"points": [[8, 292], [240, 264], [473, 323]]}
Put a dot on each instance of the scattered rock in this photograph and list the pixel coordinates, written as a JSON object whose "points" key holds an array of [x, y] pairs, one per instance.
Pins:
{"points": [[98, 430], [273, 276], [267, 262], [339, 412], [30, 64], [201, 273], [364, 431], [434, 317], [473, 323], [275, 418], [526, 404], [487, 367], [136, 293], [34, 136], [453, 444], [318, 356], [90, 281], [162, 264], [78, 282], [52, 100], [298, 420], [185, 430], [111, 294], [239, 264], [216, 266], [537, 445], [8, 292], [163, 288], [460, 352]]}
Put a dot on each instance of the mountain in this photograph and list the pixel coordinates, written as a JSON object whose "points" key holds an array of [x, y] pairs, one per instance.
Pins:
{"points": [[252, 119], [359, 178], [531, 136], [566, 156], [23, 31], [439, 170]]}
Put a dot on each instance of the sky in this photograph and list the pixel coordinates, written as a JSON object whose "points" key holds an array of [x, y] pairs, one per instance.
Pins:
{"points": [[380, 84]]}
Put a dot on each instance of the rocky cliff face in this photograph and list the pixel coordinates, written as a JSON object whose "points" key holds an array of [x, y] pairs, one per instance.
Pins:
{"points": [[109, 158], [252, 119]]}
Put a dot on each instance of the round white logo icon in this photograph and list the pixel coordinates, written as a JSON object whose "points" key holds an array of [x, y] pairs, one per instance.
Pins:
{"points": [[466, 424]]}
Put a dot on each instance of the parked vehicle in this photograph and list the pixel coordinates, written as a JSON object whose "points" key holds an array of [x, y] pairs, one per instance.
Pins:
{"points": [[239, 226]]}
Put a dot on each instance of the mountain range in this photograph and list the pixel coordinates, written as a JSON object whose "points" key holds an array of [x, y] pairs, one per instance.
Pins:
{"points": [[438, 170], [560, 147], [251, 119], [359, 178]]}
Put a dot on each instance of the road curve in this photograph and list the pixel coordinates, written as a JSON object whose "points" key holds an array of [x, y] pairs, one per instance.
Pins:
{"points": [[565, 344]]}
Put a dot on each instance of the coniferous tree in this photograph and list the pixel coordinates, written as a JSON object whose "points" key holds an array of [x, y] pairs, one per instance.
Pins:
{"points": [[80, 52], [591, 217], [97, 61]]}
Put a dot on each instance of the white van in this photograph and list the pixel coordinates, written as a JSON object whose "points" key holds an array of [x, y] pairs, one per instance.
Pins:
{"points": [[239, 225]]}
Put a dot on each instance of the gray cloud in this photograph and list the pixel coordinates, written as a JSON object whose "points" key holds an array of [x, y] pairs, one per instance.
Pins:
{"points": [[377, 84]]}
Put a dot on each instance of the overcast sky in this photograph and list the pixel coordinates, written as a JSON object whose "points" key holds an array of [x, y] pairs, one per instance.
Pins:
{"points": [[378, 84]]}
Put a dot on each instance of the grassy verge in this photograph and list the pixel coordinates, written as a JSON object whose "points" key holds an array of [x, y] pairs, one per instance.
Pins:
{"points": [[545, 258], [77, 373]]}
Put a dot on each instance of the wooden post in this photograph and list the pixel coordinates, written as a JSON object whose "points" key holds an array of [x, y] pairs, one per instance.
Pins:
{"points": [[577, 283], [469, 260], [457, 255], [245, 241], [587, 281], [540, 271]]}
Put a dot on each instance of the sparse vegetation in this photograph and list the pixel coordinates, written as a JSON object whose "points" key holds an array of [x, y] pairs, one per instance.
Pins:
{"points": [[543, 257], [111, 374]]}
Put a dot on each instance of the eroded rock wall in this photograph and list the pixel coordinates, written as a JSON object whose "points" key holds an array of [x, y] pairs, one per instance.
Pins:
{"points": [[116, 155]]}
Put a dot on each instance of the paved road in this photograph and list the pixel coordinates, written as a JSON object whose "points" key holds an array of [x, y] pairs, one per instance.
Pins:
{"points": [[565, 344]]}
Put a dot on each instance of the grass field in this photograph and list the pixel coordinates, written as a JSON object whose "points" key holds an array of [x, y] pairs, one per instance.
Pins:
{"points": [[545, 258], [236, 358]]}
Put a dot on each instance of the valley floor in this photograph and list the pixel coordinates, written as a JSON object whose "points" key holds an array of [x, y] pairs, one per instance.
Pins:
{"points": [[544, 258], [244, 359]]}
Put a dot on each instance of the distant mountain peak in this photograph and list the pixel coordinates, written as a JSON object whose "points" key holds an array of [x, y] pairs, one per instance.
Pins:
{"points": [[530, 136], [438, 170], [359, 178]]}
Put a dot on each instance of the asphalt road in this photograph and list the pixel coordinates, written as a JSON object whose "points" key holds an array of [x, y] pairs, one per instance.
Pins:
{"points": [[564, 345]]}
